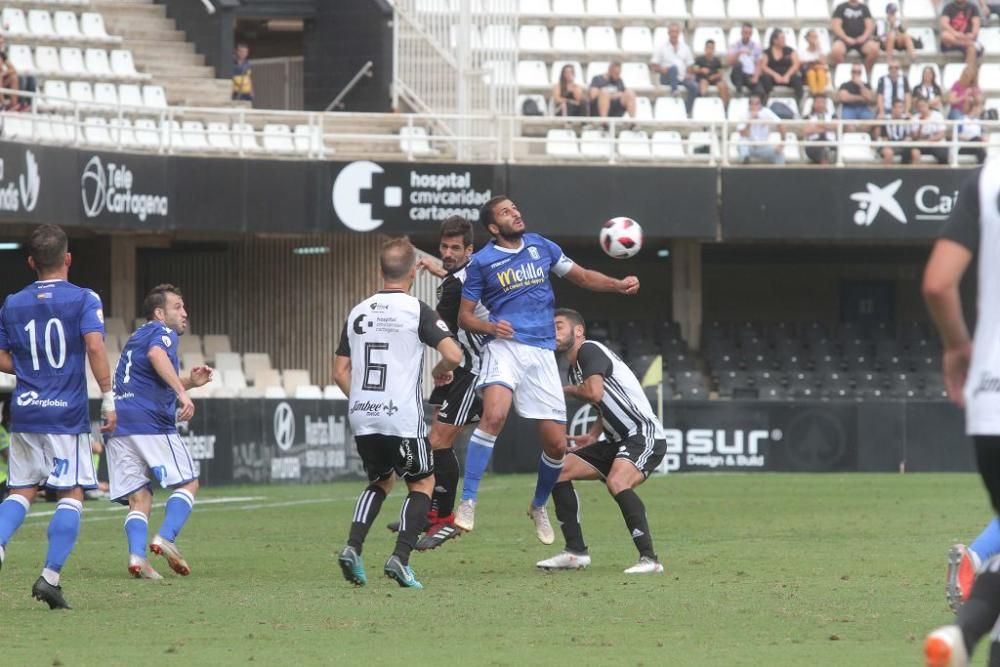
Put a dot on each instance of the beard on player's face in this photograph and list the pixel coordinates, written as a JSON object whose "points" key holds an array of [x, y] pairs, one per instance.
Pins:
{"points": [[510, 231]]}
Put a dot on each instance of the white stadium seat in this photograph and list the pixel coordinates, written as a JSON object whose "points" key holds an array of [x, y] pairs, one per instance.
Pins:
{"points": [[81, 92], [708, 110], [63, 129], [779, 10], [601, 39], [643, 108], [244, 137], [568, 39], [790, 146], [219, 137], [71, 61], [106, 93], [634, 145], [154, 97], [47, 60], [130, 95], [856, 147], [95, 131], [278, 138], [790, 38], [667, 145], [670, 109], [499, 73], [596, 144], [147, 134], [275, 392], [98, 64], [266, 377], [637, 39], [743, 10], [188, 342], [637, 8], [738, 106], [596, 68], [414, 140], [602, 8], [498, 38], [568, 8], [92, 26], [292, 378], [307, 139], [928, 41], [123, 65], [951, 73], [534, 7], [66, 26], [562, 143], [702, 35], [20, 56], [254, 361], [233, 378], [813, 9], [332, 392], [636, 77], [533, 38], [532, 74], [708, 10], [671, 9], [14, 22], [308, 391], [55, 93], [989, 77], [698, 141], [919, 10], [122, 132], [40, 24], [194, 138], [226, 361]]}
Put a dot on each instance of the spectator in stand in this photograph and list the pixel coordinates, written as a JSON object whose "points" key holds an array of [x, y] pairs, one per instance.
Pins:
{"points": [[608, 96], [744, 57], [10, 80], [928, 126], [755, 135], [891, 33], [779, 66], [928, 89], [814, 65], [854, 30], [891, 88], [855, 97], [965, 93], [960, 23], [971, 129], [821, 127], [673, 61], [708, 72], [898, 130], [242, 73], [568, 97]]}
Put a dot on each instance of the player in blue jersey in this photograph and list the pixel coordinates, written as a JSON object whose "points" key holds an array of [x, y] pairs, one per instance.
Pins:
{"points": [[510, 276], [145, 448], [48, 332]]}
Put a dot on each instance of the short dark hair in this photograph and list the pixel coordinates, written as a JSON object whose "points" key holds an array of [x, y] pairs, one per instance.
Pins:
{"points": [[242, 44], [709, 41], [747, 24], [157, 298], [486, 211], [575, 318], [47, 247], [614, 63], [456, 225], [398, 256]]}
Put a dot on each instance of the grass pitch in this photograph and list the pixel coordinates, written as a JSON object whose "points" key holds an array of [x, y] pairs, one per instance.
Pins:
{"points": [[761, 570]]}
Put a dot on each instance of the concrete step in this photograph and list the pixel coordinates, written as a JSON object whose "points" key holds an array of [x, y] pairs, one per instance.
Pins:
{"points": [[173, 70], [141, 34], [137, 9], [183, 51], [118, 25]]}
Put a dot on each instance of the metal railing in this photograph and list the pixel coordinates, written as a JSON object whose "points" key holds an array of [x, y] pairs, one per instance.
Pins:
{"points": [[243, 132]]}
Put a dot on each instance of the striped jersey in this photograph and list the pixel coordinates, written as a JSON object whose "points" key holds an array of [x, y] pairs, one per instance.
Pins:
{"points": [[384, 337], [449, 299], [625, 410], [975, 224]]}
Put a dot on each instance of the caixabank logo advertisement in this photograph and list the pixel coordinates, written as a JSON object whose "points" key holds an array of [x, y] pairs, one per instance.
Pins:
{"points": [[367, 196]]}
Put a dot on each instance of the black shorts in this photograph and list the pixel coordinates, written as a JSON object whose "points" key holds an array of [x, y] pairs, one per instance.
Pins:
{"points": [[460, 404], [857, 48], [383, 455], [643, 454]]}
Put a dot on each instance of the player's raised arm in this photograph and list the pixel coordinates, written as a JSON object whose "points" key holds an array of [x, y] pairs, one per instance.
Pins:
{"points": [[160, 361], [595, 281], [97, 357]]}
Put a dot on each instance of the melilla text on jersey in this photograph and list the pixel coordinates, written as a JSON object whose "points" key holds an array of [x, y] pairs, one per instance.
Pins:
{"points": [[525, 275]]}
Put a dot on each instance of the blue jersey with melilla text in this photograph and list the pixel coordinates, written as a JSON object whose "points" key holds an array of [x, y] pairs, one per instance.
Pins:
{"points": [[42, 327], [514, 286], [146, 405]]}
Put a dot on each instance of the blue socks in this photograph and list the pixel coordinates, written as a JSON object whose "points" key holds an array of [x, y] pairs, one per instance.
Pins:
{"points": [[179, 507], [12, 513], [137, 531], [63, 531], [549, 470], [986, 545], [477, 459]]}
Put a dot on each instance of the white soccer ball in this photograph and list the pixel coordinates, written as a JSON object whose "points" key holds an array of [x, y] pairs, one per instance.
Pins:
{"points": [[621, 238]]}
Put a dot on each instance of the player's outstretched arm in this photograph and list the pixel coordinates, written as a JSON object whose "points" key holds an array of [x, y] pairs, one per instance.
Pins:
{"points": [[342, 373], [198, 377], [97, 356], [942, 277], [595, 281], [467, 320], [165, 369]]}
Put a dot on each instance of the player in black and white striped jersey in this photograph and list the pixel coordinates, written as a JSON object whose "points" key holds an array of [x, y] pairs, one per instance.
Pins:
{"points": [[633, 448]]}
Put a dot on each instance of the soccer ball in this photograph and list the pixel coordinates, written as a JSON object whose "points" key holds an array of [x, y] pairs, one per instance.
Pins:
{"points": [[621, 238]]}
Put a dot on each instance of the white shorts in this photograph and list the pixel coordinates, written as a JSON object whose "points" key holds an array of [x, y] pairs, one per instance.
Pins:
{"points": [[528, 371], [138, 461], [58, 460]]}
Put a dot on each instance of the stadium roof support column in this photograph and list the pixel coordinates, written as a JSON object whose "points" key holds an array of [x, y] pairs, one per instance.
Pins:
{"points": [[687, 285], [123, 277]]}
